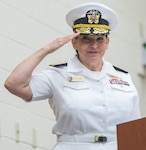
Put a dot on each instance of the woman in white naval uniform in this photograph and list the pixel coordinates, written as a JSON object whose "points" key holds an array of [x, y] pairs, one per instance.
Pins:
{"points": [[89, 96]]}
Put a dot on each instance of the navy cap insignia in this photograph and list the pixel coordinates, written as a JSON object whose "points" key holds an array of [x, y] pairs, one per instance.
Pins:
{"points": [[93, 16]]}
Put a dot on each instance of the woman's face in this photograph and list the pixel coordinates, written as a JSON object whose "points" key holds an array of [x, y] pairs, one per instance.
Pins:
{"points": [[90, 48]]}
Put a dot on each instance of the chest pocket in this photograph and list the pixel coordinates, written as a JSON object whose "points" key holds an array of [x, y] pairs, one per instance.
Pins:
{"points": [[124, 96], [77, 95]]}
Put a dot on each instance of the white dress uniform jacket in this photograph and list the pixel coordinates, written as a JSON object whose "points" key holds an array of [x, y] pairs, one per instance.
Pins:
{"points": [[86, 104]]}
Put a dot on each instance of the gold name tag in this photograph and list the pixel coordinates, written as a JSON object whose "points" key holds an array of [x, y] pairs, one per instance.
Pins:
{"points": [[76, 79]]}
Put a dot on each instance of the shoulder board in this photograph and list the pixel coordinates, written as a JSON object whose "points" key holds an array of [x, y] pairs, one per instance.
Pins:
{"points": [[58, 65], [119, 69]]}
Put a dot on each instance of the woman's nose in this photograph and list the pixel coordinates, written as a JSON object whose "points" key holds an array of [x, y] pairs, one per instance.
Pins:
{"points": [[94, 44]]}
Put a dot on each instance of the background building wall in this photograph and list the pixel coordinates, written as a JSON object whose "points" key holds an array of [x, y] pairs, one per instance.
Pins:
{"points": [[26, 26]]}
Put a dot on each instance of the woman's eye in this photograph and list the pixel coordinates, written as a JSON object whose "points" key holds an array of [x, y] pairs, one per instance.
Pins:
{"points": [[85, 38], [99, 38]]}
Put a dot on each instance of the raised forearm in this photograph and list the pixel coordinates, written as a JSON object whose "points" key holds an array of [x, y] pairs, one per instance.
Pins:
{"points": [[18, 81]]}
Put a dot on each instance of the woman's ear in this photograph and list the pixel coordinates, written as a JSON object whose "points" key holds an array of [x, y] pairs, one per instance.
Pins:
{"points": [[74, 43], [107, 41]]}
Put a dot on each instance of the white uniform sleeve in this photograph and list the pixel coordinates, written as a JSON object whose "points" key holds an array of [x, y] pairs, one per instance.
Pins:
{"points": [[40, 86]]}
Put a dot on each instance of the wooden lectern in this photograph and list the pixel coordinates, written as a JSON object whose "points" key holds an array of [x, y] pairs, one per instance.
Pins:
{"points": [[132, 135]]}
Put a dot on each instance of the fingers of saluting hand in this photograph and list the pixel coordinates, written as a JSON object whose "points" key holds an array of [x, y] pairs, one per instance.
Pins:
{"points": [[59, 42], [70, 37], [66, 39]]}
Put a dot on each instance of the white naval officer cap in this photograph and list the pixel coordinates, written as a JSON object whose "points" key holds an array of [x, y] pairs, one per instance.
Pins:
{"points": [[92, 19]]}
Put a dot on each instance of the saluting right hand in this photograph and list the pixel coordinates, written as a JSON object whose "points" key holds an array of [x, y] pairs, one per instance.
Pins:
{"points": [[59, 42]]}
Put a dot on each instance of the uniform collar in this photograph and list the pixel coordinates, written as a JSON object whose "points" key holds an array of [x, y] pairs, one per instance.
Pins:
{"points": [[75, 66], [109, 69]]}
